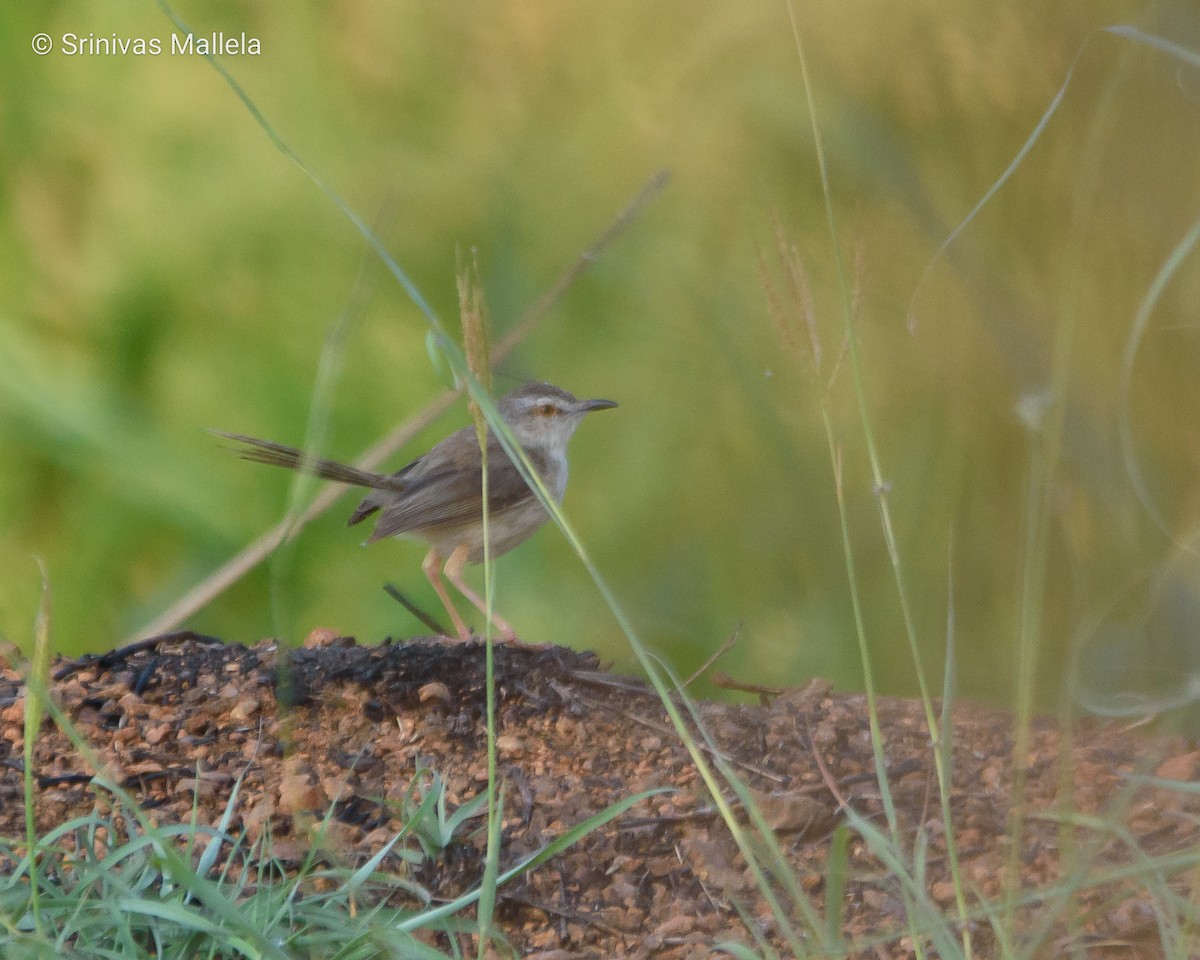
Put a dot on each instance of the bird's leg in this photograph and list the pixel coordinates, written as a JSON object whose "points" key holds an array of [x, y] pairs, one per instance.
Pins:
{"points": [[430, 565], [453, 571]]}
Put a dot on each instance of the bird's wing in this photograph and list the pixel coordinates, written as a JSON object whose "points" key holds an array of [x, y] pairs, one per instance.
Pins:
{"points": [[382, 496], [437, 495]]}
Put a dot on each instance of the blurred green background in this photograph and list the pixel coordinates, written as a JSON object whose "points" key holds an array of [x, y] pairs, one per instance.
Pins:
{"points": [[165, 269]]}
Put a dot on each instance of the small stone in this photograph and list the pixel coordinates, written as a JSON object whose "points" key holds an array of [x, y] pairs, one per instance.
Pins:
{"points": [[435, 690], [508, 743], [244, 710], [297, 795], [1184, 767], [793, 812], [322, 637]]}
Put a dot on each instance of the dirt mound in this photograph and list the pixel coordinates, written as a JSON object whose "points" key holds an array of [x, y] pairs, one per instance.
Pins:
{"points": [[178, 721]]}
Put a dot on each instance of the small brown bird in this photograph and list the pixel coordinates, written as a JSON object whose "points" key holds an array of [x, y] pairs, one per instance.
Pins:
{"points": [[438, 498]]}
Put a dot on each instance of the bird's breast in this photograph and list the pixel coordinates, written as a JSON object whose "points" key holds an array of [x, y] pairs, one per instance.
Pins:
{"points": [[554, 476]]}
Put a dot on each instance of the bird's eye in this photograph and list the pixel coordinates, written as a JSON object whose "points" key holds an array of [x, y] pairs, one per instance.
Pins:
{"points": [[547, 409]]}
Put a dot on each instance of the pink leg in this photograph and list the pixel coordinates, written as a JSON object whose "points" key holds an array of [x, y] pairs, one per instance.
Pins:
{"points": [[454, 569], [430, 565]]}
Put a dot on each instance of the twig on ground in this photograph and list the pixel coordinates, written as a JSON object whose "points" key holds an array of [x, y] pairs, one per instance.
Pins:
{"points": [[394, 592], [723, 649]]}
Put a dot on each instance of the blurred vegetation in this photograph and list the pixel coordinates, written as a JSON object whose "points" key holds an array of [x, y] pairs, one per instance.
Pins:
{"points": [[165, 269]]}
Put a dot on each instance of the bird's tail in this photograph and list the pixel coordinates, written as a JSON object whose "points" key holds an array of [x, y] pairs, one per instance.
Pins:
{"points": [[279, 455]]}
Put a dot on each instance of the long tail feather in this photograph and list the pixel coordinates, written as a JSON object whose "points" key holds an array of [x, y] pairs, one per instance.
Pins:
{"points": [[279, 455]]}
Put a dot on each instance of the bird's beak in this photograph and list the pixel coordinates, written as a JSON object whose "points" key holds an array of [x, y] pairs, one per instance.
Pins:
{"points": [[587, 406]]}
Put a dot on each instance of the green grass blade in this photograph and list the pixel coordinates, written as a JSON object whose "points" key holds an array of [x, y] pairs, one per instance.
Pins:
{"points": [[552, 849], [836, 863]]}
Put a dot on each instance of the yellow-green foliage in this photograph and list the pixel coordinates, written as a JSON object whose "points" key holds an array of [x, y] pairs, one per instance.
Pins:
{"points": [[165, 269]]}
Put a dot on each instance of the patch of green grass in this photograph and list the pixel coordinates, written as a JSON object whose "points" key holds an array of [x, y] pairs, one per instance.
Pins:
{"points": [[113, 885]]}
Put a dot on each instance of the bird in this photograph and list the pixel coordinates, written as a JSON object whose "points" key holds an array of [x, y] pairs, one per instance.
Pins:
{"points": [[438, 498]]}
